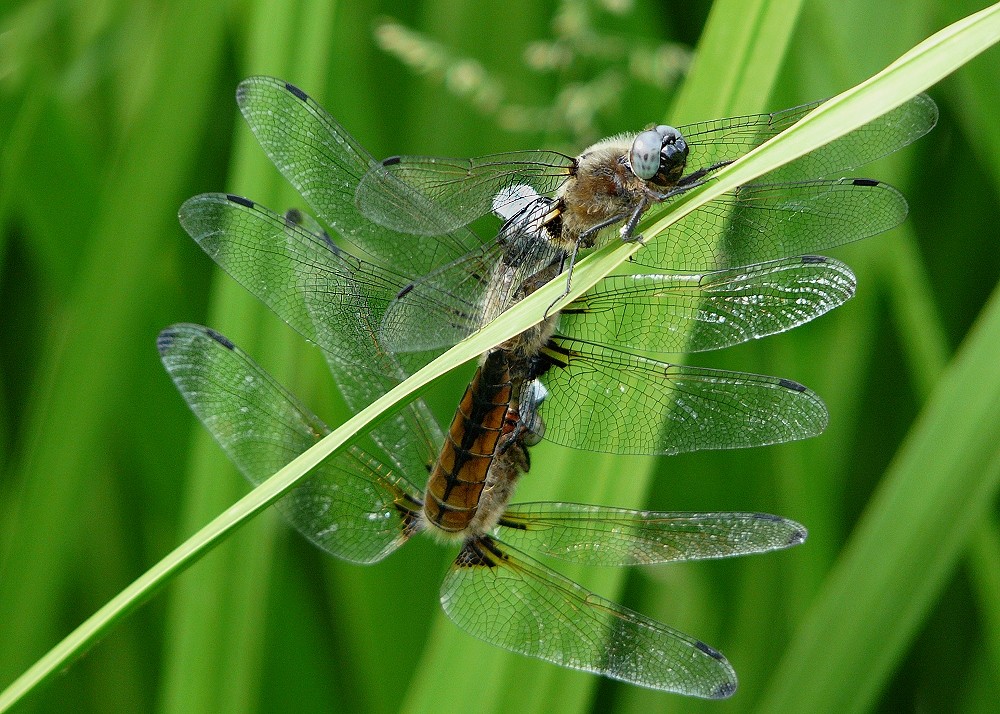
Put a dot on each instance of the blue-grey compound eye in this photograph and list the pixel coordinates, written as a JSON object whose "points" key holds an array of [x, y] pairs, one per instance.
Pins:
{"points": [[644, 156]]}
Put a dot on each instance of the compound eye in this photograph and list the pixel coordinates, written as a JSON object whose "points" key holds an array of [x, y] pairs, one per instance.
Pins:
{"points": [[668, 133], [671, 141], [644, 156]]}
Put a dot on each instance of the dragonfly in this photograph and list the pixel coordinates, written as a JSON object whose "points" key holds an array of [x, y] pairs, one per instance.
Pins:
{"points": [[413, 213], [341, 301], [360, 507], [431, 284]]}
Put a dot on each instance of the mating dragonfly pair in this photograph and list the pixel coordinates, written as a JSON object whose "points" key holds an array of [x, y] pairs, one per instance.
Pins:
{"points": [[409, 278]]}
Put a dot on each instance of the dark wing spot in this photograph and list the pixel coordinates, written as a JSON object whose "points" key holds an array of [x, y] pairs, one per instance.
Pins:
{"points": [[329, 242], [245, 202], [220, 338], [402, 293], [813, 259], [710, 651], [165, 340], [789, 384], [296, 91], [865, 182], [391, 161], [516, 525], [768, 517], [798, 536], [479, 553]]}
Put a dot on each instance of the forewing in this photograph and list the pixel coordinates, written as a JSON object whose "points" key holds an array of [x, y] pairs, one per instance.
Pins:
{"points": [[502, 596], [708, 311], [599, 535], [352, 506], [725, 140], [325, 164], [460, 190], [601, 399], [330, 297], [292, 270], [759, 223]]}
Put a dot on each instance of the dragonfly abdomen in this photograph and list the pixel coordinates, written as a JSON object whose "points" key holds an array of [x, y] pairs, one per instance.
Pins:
{"points": [[456, 484]]}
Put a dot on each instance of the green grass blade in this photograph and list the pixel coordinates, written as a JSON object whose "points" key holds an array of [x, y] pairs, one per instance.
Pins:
{"points": [[87, 355], [720, 72], [916, 527]]}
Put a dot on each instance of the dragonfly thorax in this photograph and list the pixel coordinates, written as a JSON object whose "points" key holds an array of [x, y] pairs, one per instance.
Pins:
{"points": [[607, 187]]}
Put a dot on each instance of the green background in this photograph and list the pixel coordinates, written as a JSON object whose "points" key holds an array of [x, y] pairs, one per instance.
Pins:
{"points": [[111, 114]]}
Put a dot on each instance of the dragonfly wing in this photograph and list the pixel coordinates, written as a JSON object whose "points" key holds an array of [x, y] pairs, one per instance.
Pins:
{"points": [[460, 190], [352, 506], [599, 535], [441, 308], [601, 399], [708, 311], [326, 164], [364, 370], [450, 304], [502, 596], [725, 140], [330, 297], [292, 270], [759, 223]]}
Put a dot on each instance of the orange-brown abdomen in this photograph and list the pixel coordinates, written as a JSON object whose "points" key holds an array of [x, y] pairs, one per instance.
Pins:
{"points": [[456, 483]]}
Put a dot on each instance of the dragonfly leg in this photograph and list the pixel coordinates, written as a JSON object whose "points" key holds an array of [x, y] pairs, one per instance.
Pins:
{"points": [[569, 278], [628, 230], [695, 177]]}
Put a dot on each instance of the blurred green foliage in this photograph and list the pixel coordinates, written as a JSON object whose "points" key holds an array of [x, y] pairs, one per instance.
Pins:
{"points": [[112, 114]]}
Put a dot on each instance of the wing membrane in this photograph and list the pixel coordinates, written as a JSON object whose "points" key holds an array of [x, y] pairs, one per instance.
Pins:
{"points": [[695, 313], [724, 140], [598, 535], [450, 304], [330, 297], [759, 223], [601, 399], [461, 189], [326, 164], [291, 270], [352, 506], [502, 596]]}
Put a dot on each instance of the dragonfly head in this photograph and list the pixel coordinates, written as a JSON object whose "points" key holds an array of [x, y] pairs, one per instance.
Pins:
{"points": [[658, 155]]}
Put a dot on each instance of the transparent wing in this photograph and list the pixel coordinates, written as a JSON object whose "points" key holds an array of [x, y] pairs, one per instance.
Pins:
{"points": [[450, 304], [709, 311], [462, 190], [725, 140], [325, 164], [465, 189], [502, 596], [601, 399], [293, 270], [598, 535], [763, 222], [352, 506], [330, 297]]}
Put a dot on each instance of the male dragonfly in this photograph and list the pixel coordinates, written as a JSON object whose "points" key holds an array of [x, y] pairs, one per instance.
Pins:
{"points": [[446, 270]]}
